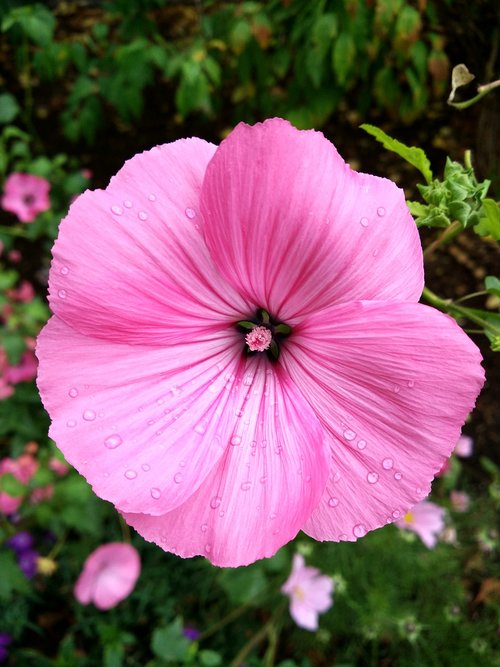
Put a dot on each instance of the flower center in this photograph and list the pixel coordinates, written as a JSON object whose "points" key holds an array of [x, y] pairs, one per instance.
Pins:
{"points": [[28, 199], [263, 334]]}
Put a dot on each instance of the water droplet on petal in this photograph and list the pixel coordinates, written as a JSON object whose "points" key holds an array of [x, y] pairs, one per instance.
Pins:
{"points": [[336, 477], [155, 493], [89, 415], [64, 270], [359, 530], [208, 548], [396, 389], [130, 474], [364, 222], [342, 536], [381, 211], [182, 464], [375, 252], [246, 485], [349, 435], [62, 294], [142, 215], [397, 476], [215, 502], [204, 527], [127, 203], [263, 480], [178, 477], [71, 423], [117, 210], [411, 383], [146, 467], [73, 392], [333, 502], [396, 514], [235, 440], [372, 477], [190, 213], [113, 441], [387, 464], [152, 197], [200, 428], [361, 444]]}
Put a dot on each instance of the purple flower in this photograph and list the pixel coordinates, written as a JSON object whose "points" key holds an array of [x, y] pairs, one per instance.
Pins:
{"points": [[20, 542], [27, 562], [5, 640], [191, 633]]}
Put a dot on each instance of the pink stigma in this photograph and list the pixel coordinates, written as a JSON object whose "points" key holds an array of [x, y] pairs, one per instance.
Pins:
{"points": [[259, 339]]}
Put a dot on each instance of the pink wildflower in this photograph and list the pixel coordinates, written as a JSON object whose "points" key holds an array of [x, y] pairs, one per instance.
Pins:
{"points": [[460, 501], [42, 493], [310, 593], [204, 445], [60, 468], [426, 519], [109, 575], [26, 195], [464, 446], [24, 371], [22, 469]]}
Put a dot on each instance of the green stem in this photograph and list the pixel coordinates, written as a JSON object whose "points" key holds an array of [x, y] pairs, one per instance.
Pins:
{"points": [[251, 644], [482, 91], [228, 618], [13, 231], [470, 296], [448, 306], [447, 235]]}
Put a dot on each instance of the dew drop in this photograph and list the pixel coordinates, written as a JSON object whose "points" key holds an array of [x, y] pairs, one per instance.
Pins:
{"points": [[130, 474], [342, 536], [117, 210], [263, 480], [246, 485], [208, 548], [273, 516], [152, 197], [336, 477], [190, 213], [113, 441], [221, 513], [155, 493], [375, 252], [142, 215], [127, 203], [418, 490], [359, 530], [64, 270], [397, 476], [387, 464], [200, 428], [396, 514], [204, 527], [411, 383], [364, 222], [146, 467], [361, 444], [73, 392], [89, 415], [333, 502], [372, 477], [235, 440], [349, 435], [381, 211], [182, 464], [396, 389], [62, 294], [215, 502], [178, 477], [71, 423]]}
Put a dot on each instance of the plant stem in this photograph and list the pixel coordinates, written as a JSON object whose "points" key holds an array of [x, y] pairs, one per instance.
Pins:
{"points": [[13, 231], [224, 621], [447, 306], [447, 235], [252, 643]]}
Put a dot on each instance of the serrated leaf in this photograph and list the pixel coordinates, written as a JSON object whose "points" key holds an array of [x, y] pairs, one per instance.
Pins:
{"points": [[489, 224], [411, 154], [492, 285], [169, 643]]}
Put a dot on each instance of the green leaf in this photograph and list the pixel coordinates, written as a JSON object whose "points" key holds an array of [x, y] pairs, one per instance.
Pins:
{"points": [[9, 108], [169, 643], [242, 586], [492, 285], [9, 484], [210, 658], [489, 225], [12, 579], [36, 21], [413, 155], [344, 52]]}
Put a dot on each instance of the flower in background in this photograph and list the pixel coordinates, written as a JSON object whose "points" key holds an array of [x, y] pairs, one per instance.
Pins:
{"points": [[239, 347], [22, 469], [60, 468], [464, 446], [191, 633], [26, 195], [22, 545], [310, 593], [5, 641], [460, 501], [109, 575], [426, 520], [24, 371]]}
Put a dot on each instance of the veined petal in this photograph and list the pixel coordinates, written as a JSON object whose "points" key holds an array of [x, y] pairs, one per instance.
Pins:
{"points": [[144, 425], [392, 384], [263, 488], [294, 229], [130, 263]]}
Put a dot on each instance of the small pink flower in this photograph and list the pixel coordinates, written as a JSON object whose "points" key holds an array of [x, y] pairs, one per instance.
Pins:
{"points": [[59, 467], [310, 593], [426, 520], [464, 446], [24, 371], [460, 501], [9, 504], [226, 446], [41, 493], [26, 195], [23, 293], [109, 575], [23, 468]]}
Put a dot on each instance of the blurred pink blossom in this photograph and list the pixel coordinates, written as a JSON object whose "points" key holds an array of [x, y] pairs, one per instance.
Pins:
{"points": [[426, 519], [24, 371], [26, 195], [15, 256], [41, 493], [23, 468], [460, 501], [310, 593], [24, 292], [109, 575], [317, 425], [464, 446], [59, 467]]}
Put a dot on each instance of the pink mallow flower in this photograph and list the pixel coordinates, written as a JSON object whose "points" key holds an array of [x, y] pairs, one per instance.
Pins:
{"points": [[214, 442], [310, 593], [464, 446], [26, 195], [109, 575], [426, 519]]}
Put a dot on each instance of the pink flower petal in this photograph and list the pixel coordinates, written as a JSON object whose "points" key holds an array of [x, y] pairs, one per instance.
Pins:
{"points": [[130, 263], [294, 229], [264, 487], [109, 575], [427, 520], [143, 425], [380, 377], [26, 195]]}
